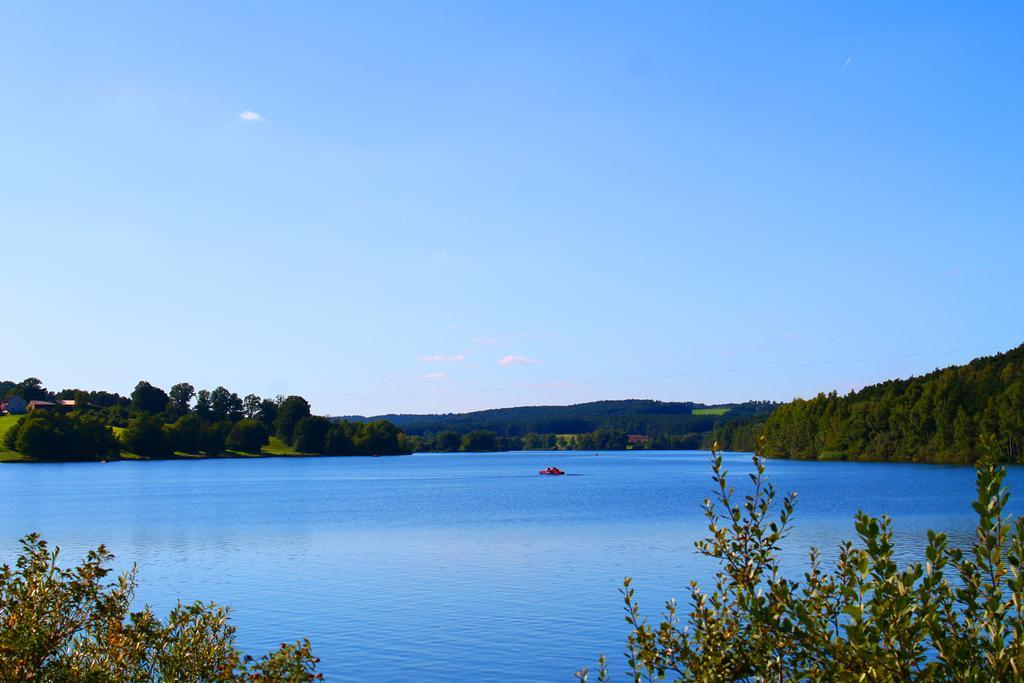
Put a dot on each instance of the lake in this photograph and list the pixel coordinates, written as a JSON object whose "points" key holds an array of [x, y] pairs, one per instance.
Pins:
{"points": [[444, 567]]}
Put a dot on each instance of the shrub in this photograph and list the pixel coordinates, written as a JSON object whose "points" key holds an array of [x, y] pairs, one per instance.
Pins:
{"points": [[248, 435], [311, 434], [185, 433], [147, 436], [956, 616], [72, 624], [339, 439], [213, 437], [832, 455]]}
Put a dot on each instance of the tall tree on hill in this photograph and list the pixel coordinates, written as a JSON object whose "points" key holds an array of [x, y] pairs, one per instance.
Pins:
{"points": [[30, 389], [291, 410], [149, 399], [203, 404], [251, 406], [225, 405], [267, 412], [181, 396]]}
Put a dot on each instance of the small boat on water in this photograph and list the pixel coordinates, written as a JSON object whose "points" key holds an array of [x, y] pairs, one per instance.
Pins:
{"points": [[551, 471]]}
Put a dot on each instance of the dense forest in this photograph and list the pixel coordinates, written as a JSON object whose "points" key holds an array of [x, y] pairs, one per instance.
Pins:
{"points": [[938, 417], [73, 424], [600, 425]]}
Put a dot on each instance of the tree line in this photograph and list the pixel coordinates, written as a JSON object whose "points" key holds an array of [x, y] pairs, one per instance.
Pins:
{"points": [[155, 423], [633, 416], [484, 440], [937, 417]]}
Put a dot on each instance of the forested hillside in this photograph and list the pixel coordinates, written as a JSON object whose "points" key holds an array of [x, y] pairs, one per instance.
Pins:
{"points": [[938, 417], [584, 426], [634, 416]]}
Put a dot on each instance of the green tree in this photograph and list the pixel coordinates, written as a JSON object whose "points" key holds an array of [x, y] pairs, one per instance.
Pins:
{"points": [[180, 397], [251, 406], [479, 440], [267, 413], [184, 433], [311, 434], [378, 438], [149, 399], [289, 412], [248, 435], [213, 437], [30, 389], [147, 436], [339, 439], [447, 442], [203, 408], [225, 405], [54, 436]]}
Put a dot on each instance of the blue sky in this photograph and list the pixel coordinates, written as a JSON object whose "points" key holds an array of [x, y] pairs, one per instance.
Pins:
{"points": [[441, 207]]}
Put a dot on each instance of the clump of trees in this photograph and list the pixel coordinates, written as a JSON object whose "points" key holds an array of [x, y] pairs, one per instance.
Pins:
{"points": [[74, 624], [155, 423], [76, 436], [957, 615]]}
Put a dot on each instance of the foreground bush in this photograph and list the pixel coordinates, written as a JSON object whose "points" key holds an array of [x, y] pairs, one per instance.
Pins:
{"points": [[956, 616], [72, 624]]}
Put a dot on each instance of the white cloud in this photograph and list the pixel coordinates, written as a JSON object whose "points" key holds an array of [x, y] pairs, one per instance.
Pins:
{"points": [[847, 63], [440, 358], [434, 375], [251, 117], [518, 360]]}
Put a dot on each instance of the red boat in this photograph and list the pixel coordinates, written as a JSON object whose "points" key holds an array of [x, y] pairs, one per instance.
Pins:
{"points": [[552, 471]]}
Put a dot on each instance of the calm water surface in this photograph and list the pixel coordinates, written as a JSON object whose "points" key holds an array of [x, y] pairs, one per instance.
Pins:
{"points": [[443, 567]]}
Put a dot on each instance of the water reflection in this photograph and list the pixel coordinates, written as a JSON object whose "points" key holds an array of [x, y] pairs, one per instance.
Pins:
{"points": [[445, 567]]}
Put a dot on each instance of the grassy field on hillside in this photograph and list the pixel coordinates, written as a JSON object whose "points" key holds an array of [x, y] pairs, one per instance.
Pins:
{"points": [[6, 422], [710, 411]]}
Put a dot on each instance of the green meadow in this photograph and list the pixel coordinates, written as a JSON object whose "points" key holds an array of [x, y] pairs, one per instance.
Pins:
{"points": [[6, 422], [710, 411]]}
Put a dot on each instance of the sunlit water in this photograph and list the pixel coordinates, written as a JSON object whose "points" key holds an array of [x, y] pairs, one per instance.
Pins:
{"points": [[443, 567]]}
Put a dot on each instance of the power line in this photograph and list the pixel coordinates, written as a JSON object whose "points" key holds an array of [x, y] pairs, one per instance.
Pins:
{"points": [[695, 373]]}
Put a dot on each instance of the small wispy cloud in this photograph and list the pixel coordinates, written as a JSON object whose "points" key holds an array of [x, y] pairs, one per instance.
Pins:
{"points": [[434, 376], [791, 335], [517, 360], [441, 358], [251, 117], [847, 63]]}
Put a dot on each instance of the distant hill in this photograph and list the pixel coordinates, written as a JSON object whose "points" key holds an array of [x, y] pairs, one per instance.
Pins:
{"points": [[938, 417], [652, 418]]}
